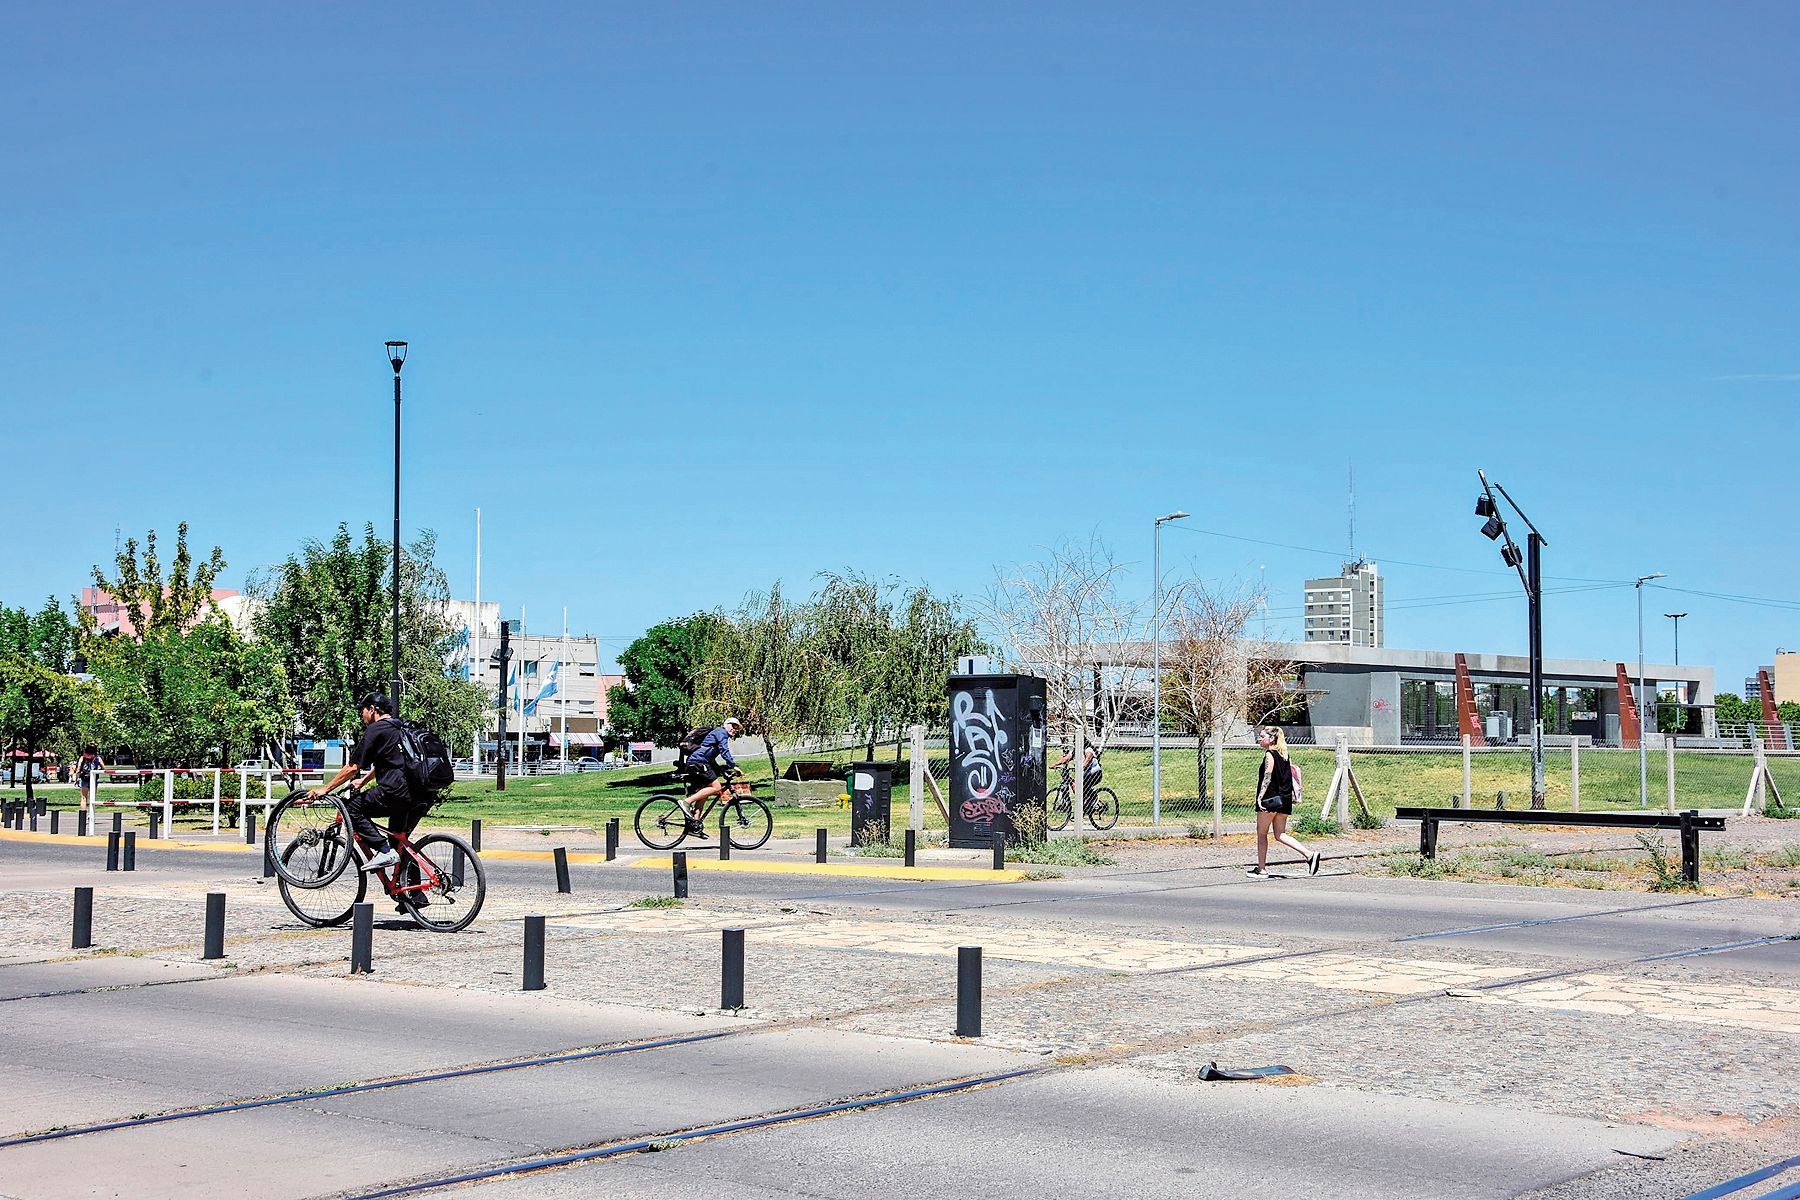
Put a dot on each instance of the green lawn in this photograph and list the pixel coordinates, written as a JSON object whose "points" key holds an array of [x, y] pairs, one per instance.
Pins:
{"points": [[1609, 780]]}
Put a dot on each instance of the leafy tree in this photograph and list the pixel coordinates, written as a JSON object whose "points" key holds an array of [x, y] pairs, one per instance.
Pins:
{"points": [[1672, 716], [1731, 709], [160, 604], [764, 666], [327, 614], [655, 701], [931, 634], [1788, 712], [38, 699], [852, 628]]}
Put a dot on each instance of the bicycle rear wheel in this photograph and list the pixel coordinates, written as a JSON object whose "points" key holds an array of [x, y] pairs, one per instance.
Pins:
{"points": [[327, 905], [661, 822], [1058, 811], [748, 823], [443, 904], [307, 839], [1102, 808]]}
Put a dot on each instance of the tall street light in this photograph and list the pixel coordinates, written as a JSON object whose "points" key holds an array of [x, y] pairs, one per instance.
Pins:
{"points": [[396, 352], [1643, 745], [1156, 617], [1676, 617]]}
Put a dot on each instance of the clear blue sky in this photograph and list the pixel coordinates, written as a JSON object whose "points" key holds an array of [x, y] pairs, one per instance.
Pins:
{"points": [[927, 290]]}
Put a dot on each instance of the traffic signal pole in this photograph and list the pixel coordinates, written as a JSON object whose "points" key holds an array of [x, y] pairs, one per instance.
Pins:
{"points": [[503, 656]]}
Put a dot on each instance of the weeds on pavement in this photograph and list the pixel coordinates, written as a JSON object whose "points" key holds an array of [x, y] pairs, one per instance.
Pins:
{"points": [[1366, 820], [1668, 875], [1313, 825], [1784, 856], [1059, 852], [655, 902]]}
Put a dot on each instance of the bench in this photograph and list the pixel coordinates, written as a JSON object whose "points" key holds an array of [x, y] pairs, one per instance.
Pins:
{"points": [[1690, 824]]}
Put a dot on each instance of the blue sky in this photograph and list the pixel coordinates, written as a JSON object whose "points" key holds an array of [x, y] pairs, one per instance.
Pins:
{"points": [[703, 296]]}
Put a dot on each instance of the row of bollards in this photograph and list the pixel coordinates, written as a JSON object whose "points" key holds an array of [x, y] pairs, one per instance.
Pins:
{"points": [[81, 933], [115, 841]]}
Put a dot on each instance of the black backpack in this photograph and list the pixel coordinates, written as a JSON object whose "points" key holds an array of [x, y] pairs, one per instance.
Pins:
{"points": [[691, 742], [428, 766]]}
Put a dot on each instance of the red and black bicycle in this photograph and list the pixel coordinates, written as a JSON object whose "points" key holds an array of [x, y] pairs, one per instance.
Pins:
{"points": [[318, 860]]}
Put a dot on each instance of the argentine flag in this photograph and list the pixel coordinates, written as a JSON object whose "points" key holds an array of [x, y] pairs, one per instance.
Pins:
{"points": [[545, 692]]}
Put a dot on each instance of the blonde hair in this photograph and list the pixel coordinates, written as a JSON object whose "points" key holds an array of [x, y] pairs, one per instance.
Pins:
{"points": [[1280, 747]]}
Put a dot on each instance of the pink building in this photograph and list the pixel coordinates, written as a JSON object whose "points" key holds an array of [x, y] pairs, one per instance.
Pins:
{"points": [[110, 615]]}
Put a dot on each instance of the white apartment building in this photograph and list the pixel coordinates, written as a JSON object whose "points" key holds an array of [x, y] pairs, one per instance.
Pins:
{"points": [[1347, 608], [553, 683]]}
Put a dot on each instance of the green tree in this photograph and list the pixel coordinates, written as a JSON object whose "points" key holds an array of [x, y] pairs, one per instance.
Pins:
{"points": [[160, 604], [326, 612], [764, 666], [852, 631], [656, 701], [932, 632], [39, 701]]}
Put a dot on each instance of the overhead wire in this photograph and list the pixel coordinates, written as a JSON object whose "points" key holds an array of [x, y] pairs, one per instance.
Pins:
{"points": [[1338, 554]]}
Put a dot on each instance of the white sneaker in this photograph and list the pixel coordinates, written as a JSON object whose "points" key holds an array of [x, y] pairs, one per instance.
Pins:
{"points": [[1255, 873], [386, 858]]}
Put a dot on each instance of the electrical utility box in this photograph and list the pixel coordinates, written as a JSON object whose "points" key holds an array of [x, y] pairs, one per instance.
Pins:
{"points": [[871, 795], [996, 758]]}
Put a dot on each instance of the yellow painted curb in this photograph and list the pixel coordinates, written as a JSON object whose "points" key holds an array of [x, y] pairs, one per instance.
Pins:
{"points": [[144, 843], [848, 870]]}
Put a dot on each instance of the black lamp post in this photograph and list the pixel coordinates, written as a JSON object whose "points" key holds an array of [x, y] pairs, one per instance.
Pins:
{"points": [[396, 352], [1495, 529]]}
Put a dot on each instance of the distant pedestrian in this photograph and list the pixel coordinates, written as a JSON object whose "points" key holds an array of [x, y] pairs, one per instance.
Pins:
{"points": [[87, 768], [1275, 802]]}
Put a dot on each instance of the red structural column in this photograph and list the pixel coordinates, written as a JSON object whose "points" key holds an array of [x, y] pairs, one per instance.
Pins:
{"points": [[1631, 731], [1468, 720]]}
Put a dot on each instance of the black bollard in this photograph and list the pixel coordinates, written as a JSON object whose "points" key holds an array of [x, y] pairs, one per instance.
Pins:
{"points": [[456, 865], [119, 823], [268, 857], [819, 846], [155, 824], [912, 847], [475, 835], [724, 839], [612, 839], [130, 862], [112, 850], [56, 821], [80, 824], [34, 828], [6, 815], [681, 875], [999, 851], [362, 939], [215, 926], [83, 934], [968, 991], [249, 826], [534, 954], [562, 871], [731, 971]]}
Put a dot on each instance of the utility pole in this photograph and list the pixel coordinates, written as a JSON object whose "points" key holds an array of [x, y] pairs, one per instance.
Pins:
{"points": [[502, 656]]}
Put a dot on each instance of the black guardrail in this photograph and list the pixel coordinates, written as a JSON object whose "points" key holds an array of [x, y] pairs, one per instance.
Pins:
{"points": [[1690, 824]]}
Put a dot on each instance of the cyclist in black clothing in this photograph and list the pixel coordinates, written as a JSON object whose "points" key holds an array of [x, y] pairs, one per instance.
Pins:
{"points": [[378, 756]]}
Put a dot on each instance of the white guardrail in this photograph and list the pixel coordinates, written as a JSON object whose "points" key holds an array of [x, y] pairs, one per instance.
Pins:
{"points": [[93, 801]]}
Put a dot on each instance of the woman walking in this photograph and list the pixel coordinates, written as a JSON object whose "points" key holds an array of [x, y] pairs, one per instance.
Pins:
{"points": [[1275, 802]]}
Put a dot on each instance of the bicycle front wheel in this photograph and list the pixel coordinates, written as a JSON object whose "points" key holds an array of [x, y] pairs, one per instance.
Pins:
{"points": [[1103, 808], [307, 839], [661, 823], [1057, 813], [748, 824], [442, 888], [331, 904]]}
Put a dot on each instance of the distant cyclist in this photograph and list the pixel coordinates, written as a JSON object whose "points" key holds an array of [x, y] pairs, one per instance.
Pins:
{"points": [[377, 754], [1090, 766], [703, 768]]}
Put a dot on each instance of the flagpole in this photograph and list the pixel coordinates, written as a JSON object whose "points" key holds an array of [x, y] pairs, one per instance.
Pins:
{"points": [[562, 693], [519, 696], [477, 668]]}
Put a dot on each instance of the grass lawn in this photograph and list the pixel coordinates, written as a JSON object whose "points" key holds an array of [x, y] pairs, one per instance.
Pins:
{"points": [[1609, 780]]}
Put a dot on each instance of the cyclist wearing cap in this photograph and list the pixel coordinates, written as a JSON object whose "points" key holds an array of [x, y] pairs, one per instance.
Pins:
{"points": [[378, 755], [702, 767]]}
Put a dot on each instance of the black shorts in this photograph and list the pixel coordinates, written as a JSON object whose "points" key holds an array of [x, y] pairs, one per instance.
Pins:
{"points": [[700, 774]]}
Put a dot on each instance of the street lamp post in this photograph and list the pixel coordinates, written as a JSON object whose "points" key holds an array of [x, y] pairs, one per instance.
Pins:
{"points": [[1156, 672], [396, 352], [1676, 617], [1643, 745]]}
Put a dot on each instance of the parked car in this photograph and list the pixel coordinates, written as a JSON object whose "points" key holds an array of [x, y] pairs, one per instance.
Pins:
{"points": [[587, 764]]}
